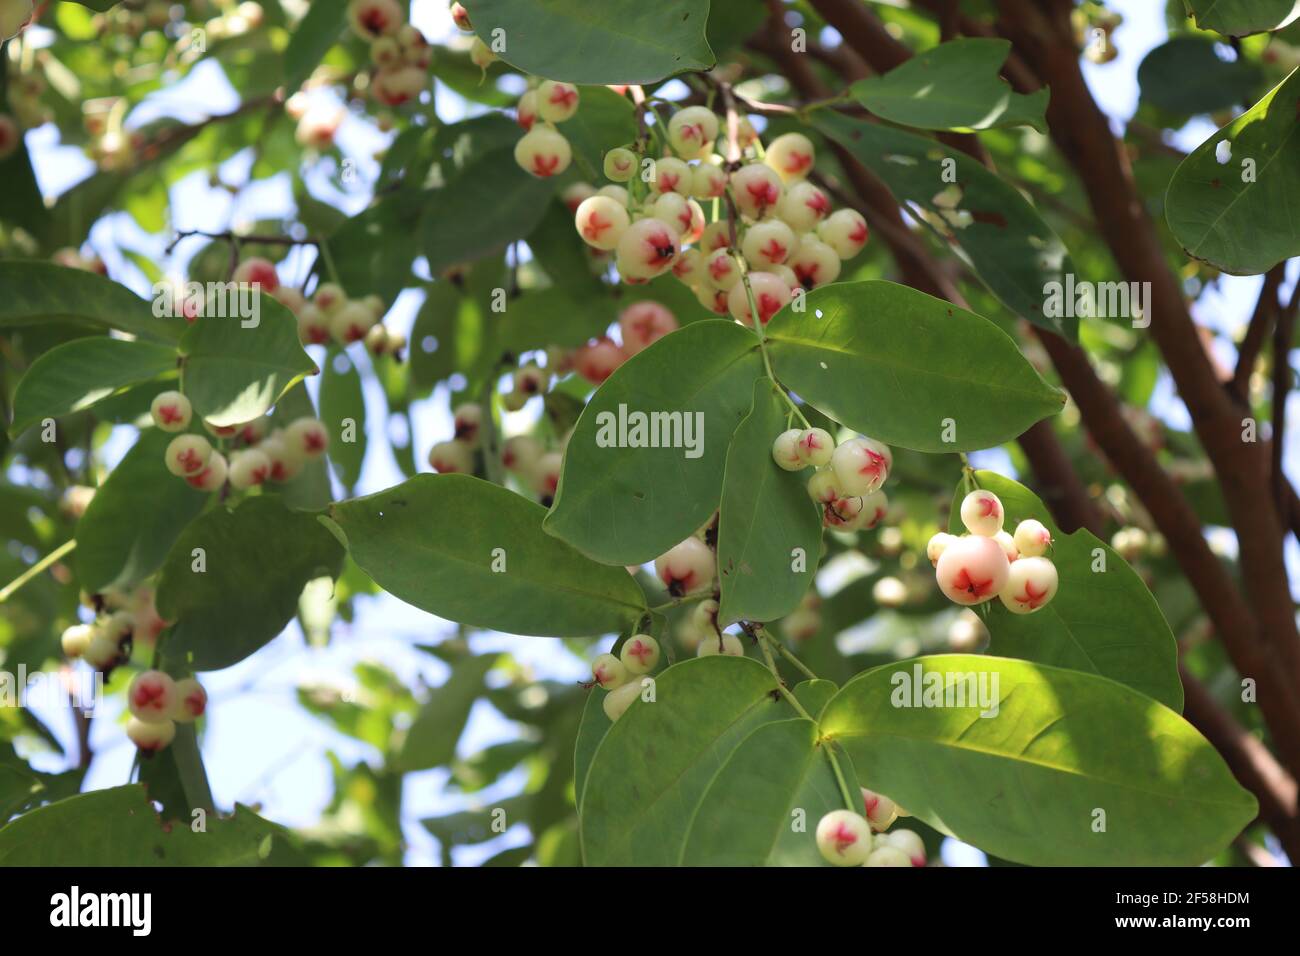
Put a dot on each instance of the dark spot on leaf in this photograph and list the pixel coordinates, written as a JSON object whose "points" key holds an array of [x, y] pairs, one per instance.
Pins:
{"points": [[993, 218], [1215, 182], [639, 495], [159, 852]]}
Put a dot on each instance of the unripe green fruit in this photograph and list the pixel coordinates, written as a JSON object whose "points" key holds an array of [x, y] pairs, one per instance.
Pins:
{"points": [[152, 696], [609, 672], [187, 454], [618, 700], [727, 645], [640, 654], [150, 737], [191, 701], [171, 411], [844, 838]]}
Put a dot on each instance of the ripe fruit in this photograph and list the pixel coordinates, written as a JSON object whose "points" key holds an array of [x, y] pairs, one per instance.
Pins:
{"points": [[351, 322], [171, 411], [644, 323], [843, 513], [874, 508], [460, 17], [981, 513], [307, 437], [646, 249], [374, 18], [844, 838], [686, 567], [618, 700], [771, 295], [640, 654], [722, 270], [467, 420], [757, 190], [768, 243], [601, 222], [543, 152], [861, 466], [816, 446], [187, 454], [910, 842], [556, 102], [708, 182], [679, 213], [671, 175], [704, 618], [804, 207], [546, 476], [692, 130], [814, 263], [1031, 584], [786, 451], [75, 641], [191, 701], [725, 645], [317, 127], [1032, 538], [213, 475], [285, 460], [972, 570], [451, 457], [791, 155], [620, 164], [257, 272], [526, 110], [880, 810], [530, 379], [249, 468], [688, 268], [822, 485], [151, 696], [1007, 544], [150, 737], [520, 453], [845, 231], [596, 361], [886, 855], [937, 545], [393, 87], [609, 672]]}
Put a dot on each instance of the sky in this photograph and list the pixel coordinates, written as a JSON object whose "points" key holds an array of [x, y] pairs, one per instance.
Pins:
{"points": [[259, 745]]}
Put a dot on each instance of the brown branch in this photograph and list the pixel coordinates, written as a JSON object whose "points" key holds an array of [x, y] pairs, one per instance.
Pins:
{"points": [[1256, 332], [1281, 389]]}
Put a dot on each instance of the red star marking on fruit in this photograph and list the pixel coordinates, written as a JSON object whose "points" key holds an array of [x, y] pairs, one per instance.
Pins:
{"points": [[768, 306], [198, 481], [196, 703], [692, 131], [763, 193], [859, 233], [806, 273], [564, 96], [843, 838], [681, 267], [545, 165], [871, 803], [374, 21], [964, 582], [278, 472], [189, 460], [148, 695], [1032, 598], [988, 507], [810, 441], [259, 475], [668, 182], [594, 227], [774, 251], [719, 267], [314, 441], [640, 650], [797, 162], [819, 204], [661, 248], [685, 217], [170, 414]]}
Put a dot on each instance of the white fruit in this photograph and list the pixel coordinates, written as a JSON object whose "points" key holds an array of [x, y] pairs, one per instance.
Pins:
{"points": [[845, 231], [249, 468], [213, 475], [451, 457], [771, 295], [609, 672], [792, 156], [844, 838], [804, 207], [150, 737], [768, 243], [910, 842], [816, 447], [151, 696], [672, 176], [757, 190], [75, 641], [191, 701], [556, 102], [618, 700], [692, 130], [726, 645], [860, 466], [686, 567], [601, 222], [887, 855], [786, 451], [814, 263], [981, 513], [881, 811], [171, 411], [647, 249], [543, 152], [1030, 586], [721, 269], [187, 454], [1032, 538], [640, 654], [972, 569], [620, 164]]}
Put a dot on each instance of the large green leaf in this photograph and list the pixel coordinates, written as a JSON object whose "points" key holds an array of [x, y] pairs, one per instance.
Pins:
{"points": [[372, 252], [543, 317], [1102, 621], [235, 371], [614, 41], [762, 807], [491, 204], [1062, 755], [591, 731], [654, 765], [1241, 18], [899, 365], [953, 86], [119, 827], [766, 516], [343, 410], [474, 552], [433, 353], [1186, 75], [37, 292], [628, 505], [311, 39], [431, 741], [1013, 251], [78, 374], [255, 562], [134, 518], [1239, 215]]}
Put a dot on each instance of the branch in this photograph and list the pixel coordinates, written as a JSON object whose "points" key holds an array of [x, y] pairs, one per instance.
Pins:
{"points": [[237, 238], [1253, 341], [1281, 389]]}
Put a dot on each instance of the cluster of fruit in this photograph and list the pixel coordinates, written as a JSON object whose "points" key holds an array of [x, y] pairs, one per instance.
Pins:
{"points": [[845, 838], [622, 676], [158, 703], [640, 325], [690, 568], [122, 619], [542, 150], [989, 562], [848, 476], [399, 51], [261, 453]]}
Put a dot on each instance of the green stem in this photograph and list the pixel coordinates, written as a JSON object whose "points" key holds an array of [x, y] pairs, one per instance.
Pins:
{"points": [[684, 599], [849, 802], [780, 685], [787, 654], [491, 454], [189, 765], [16, 584]]}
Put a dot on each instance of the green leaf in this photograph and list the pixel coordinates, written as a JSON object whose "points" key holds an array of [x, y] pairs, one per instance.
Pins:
{"points": [[953, 86], [766, 515], [255, 562], [1239, 18], [591, 731], [544, 317], [655, 764], [1186, 76], [235, 372], [77, 375], [1239, 223], [611, 42], [343, 410], [134, 518], [762, 807], [491, 204], [118, 827], [496, 569], [433, 337], [373, 251], [1027, 782], [627, 505], [1014, 252], [1103, 622], [431, 741], [38, 292], [898, 365], [311, 39], [605, 119]]}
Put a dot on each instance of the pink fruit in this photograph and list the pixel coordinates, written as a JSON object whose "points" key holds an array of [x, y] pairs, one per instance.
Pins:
{"points": [[686, 567], [771, 295], [596, 361], [1030, 586], [643, 323], [972, 570]]}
